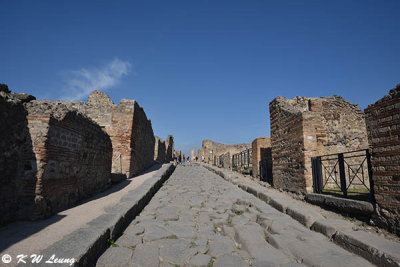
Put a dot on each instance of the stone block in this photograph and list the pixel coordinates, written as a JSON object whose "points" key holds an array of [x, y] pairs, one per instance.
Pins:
{"points": [[374, 248]]}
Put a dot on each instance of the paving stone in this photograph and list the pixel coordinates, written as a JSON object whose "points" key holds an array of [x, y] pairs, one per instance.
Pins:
{"points": [[177, 251], [145, 255], [200, 260], [229, 260], [201, 245], [198, 216], [155, 232], [129, 241], [228, 231], [220, 246], [319, 252], [253, 240], [182, 230], [115, 257], [134, 229]]}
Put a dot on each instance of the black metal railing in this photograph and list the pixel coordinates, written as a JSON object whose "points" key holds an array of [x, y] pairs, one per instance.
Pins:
{"points": [[346, 174], [242, 160]]}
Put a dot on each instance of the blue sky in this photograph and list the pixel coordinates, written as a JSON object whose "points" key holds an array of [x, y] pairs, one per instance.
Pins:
{"points": [[202, 69]]}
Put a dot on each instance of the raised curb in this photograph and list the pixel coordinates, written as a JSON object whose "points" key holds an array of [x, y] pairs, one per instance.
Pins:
{"points": [[362, 243], [349, 206], [372, 247], [85, 245]]}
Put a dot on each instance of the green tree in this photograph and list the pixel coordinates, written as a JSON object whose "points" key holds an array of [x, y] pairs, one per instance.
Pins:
{"points": [[4, 88]]}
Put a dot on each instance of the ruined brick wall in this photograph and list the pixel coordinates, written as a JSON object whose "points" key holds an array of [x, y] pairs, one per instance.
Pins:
{"points": [[130, 131], [142, 140], [302, 128], [212, 151], [169, 143], [383, 126], [73, 156], [287, 147], [257, 156], [17, 176], [117, 121], [225, 160], [159, 150]]}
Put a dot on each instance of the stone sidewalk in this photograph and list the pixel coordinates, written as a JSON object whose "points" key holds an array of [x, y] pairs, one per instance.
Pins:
{"points": [[33, 237], [199, 219]]}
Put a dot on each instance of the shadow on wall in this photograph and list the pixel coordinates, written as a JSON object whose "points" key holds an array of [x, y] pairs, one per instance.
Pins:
{"points": [[17, 162], [75, 162], [265, 165]]}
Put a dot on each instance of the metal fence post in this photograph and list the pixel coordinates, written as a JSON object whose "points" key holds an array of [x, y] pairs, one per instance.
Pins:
{"points": [[317, 174], [342, 173], [371, 181]]}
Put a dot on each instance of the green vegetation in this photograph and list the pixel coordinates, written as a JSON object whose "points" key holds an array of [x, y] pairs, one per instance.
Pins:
{"points": [[111, 243], [237, 212], [357, 193]]}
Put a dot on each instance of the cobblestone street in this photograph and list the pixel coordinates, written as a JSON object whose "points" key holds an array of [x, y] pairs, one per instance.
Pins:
{"points": [[199, 219]]}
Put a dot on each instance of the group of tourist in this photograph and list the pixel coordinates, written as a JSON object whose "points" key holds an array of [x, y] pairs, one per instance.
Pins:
{"points": [[187, 160]]}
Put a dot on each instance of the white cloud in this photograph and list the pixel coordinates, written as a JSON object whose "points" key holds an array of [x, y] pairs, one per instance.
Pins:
{"points": [[84, 81]]}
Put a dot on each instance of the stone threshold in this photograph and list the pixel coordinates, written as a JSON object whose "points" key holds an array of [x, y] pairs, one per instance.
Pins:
{"points": [[372, 247], [85, 245], [343, 205]]}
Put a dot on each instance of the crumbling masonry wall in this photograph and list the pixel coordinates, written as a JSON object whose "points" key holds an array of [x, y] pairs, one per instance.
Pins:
{"points": [[225, 160], [302, 128], [51, 158], [159, 150], [130, 131], [73, 156], [257, 155], [142, 141], [17, 161], [383, 127], [169, 143], [212, 151]]}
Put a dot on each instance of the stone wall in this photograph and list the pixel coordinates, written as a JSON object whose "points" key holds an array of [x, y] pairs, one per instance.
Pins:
{"points": [[169, 143], [212, 151], [73, 156], [257, 156], [302, 128], [225, 160], [383, 126], [17, 169], [159, 150], [130, 131], [51, 158], [55, 153], [142, 141]]}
